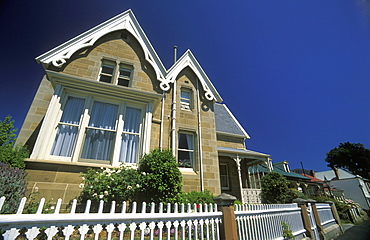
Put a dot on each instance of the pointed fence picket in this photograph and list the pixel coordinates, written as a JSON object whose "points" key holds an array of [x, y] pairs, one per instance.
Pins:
{"points": [[171, 221]]}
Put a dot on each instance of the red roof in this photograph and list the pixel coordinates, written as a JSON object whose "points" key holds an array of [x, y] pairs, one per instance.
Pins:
{"points": [[312, 179]]}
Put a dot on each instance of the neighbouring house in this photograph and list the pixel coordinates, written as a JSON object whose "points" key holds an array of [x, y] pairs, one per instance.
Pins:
{"points": [[315, 186], [354, 187], [107, 99]]}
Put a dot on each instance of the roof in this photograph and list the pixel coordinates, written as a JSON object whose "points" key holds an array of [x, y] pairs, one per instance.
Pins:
{"points": [[313, 179], [226, 123], [288, 175], [330, 174], [59, 55], [242, 153]]}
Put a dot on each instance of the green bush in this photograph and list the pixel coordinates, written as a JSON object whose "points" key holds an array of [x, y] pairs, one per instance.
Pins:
{"points": [[274, 188], [9, 153], [161, 178], [293, 194], [118, 184], [204, 197], [13, 187], [157, 179]]}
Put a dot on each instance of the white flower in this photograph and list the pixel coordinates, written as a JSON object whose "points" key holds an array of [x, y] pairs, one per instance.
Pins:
{"points": [[144, 173], [101, 196], [81, 185], [83, 178], [95, 194], [137, 185], [129, 187], [36, 189], [105, 192]]}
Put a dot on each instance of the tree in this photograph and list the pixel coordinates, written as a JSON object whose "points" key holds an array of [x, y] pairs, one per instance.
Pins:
{"points": [[353, 157], [274, 188], [11, 154]]}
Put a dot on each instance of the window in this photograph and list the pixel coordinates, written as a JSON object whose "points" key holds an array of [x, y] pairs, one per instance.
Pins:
{"points": [[186, 150], [185, 99], [224, 177], [99, 129], [119, 74]]}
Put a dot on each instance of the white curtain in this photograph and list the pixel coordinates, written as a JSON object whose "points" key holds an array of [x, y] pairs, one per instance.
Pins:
{"points": [[66, 134], [130, 135], [99, 142]]}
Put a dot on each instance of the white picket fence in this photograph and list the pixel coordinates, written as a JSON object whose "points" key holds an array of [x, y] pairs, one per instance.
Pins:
{"points": [[176, 222], [264, 221]]}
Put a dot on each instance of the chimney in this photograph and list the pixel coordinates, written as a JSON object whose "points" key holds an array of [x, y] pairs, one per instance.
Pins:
{"points": [[335, 169], [312, 173]]}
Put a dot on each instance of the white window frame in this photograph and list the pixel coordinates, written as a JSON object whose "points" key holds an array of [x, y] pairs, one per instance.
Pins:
{"points": [[186, 103], [192, 134], [48, 132], [226, 176], [116, 75]]}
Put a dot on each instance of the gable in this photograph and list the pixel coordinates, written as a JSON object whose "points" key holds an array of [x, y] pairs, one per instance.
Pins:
{"points": [[58, 56]]}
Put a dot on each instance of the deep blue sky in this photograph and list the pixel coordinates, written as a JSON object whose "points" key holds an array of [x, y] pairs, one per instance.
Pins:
{"points": [[296, 74]]}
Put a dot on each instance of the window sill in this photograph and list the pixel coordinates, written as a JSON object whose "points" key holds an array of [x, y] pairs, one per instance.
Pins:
{"points": [[187, 171], [61, 162]]}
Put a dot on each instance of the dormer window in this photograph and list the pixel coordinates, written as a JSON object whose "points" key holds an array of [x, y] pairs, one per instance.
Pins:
{"points": [[186, 99], [115, 73]]}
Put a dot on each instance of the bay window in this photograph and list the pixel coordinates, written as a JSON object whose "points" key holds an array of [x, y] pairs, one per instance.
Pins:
{"points": [[92, 130]]}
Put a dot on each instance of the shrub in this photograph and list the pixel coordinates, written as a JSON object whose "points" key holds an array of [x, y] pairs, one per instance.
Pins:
{"points": [[9, 153], [118, 184], [204, 197], [274, 188], [13, 187], [14, 157], [293, 194], [161, 178]]}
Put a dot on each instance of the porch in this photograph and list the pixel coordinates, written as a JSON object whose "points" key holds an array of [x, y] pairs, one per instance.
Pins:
{"points": [[239, 173]]}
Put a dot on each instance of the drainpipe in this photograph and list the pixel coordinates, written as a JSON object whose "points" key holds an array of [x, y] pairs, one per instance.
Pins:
{"points": [[173, 130], [162, 118], [200, 141]]}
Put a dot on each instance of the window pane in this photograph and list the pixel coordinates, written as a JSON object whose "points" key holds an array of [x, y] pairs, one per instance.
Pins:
{"points": [[123, 82], [72, 110], [64, 141], [129, 148], [130, 138], [107, 69], [66, 134], [103, 115], [98, 144], [185, 95], [223, 170], [105, 78], [125, 73], [185, 159], [186, 141], [132, 120]]}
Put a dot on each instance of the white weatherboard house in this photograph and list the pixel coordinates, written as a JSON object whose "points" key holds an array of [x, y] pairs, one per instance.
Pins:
{"points": [[354, 187], [107, 99]]}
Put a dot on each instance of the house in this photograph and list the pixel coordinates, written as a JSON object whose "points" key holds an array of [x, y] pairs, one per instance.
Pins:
{"points": [[354, 187], [107, 99]]}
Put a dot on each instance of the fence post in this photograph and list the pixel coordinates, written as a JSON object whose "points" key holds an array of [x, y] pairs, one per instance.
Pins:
{"points": [[336, 215], [302, 203], [318, 222], [225, 203]]}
